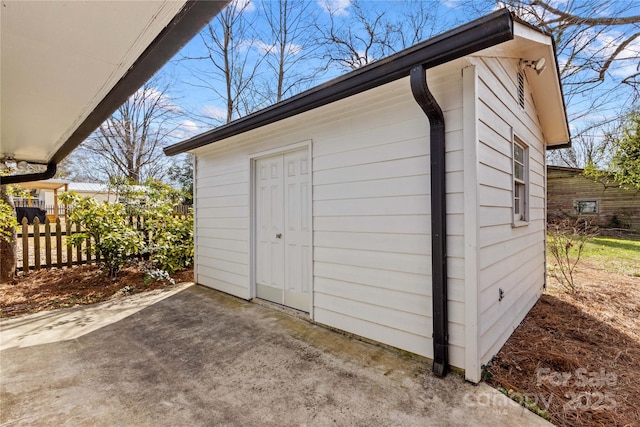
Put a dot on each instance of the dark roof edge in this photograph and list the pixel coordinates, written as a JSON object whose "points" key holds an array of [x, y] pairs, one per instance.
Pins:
{"points": [[561, 146], [565, 168], [476, 35], [194, 15]]}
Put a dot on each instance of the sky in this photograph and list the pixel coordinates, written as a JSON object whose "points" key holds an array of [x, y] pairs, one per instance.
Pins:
{"points": [[186, 75]]}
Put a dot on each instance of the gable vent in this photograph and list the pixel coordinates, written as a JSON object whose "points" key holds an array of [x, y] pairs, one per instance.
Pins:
{"points": [[521, 89]]}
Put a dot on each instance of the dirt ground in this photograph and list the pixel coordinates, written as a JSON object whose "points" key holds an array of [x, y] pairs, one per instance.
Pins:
{"points": [[69, 287], [577, 356]]}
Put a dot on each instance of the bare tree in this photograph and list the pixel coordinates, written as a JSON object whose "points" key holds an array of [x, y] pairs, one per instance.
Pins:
{"points": [[418, 21], [592, 37], [229, 69], [587, 149], [362, 38], [597, 42], [289, 45], [129, 143], [369, 33]]}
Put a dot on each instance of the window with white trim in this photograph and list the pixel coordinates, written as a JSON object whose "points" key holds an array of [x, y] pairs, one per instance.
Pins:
{"points": [[520, 181]]}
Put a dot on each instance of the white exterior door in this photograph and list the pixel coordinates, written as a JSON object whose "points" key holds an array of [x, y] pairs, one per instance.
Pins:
{"points": [[283, 224]]}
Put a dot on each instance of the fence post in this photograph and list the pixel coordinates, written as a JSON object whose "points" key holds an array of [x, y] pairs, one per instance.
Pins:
{"points": [[69, 247], [58, 243], [97, 249], [47, 242], [78, 248], [36, 243], [25, 245], [89, 249]]}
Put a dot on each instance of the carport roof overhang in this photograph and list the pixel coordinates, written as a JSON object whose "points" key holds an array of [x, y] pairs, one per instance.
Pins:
{"points": [[67, 65]]}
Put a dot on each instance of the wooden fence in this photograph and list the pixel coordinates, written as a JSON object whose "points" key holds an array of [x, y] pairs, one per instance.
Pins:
{"points": [[44, 245]]}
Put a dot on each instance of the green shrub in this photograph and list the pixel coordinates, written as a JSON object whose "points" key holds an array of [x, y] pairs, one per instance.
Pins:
{"points": [[7, 221], [167, 239], [170, 237], [106, 223]]}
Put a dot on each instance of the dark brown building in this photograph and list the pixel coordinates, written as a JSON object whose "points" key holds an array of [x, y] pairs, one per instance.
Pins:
{"points": [[571, 193]]}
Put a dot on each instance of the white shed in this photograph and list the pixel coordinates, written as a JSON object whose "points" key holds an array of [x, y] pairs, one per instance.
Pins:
{"points": [[334, 202]]}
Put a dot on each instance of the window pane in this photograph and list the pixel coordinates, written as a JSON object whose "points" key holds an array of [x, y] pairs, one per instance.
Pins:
{"points": [[587, 206], [518, 153], [518, 171], [520, 167]]}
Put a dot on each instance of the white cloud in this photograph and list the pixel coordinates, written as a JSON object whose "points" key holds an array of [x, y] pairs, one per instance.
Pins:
{"points": [[291, 49], [244, 5], [336, 7], [214, 112], [151, 95], [454, 4], [186, 129]]}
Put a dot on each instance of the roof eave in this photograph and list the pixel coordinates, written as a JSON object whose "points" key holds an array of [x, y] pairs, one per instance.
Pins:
{"points": [[476, 35]]}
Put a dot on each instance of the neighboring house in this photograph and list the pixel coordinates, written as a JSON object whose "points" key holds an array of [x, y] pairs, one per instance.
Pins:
{"points": [[333, 202], [570, 193], [44, 194], [100, 192]]}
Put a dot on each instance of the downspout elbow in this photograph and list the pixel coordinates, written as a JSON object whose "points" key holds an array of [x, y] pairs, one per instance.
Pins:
{"points": [[429, 105]]}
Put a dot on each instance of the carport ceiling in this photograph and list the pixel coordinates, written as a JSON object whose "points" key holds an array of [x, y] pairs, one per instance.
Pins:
{"points": [[67, 65]]}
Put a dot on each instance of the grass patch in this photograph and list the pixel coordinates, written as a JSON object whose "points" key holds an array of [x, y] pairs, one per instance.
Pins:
{"points": [[614, 255]]}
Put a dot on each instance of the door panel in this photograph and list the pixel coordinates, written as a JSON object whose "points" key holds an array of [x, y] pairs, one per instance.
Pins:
{"points": [[296, 182], [269, 224], [283, 194]]}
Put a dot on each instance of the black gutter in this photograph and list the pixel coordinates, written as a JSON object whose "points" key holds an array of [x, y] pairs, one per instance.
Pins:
{"points": [[429, 105], [482, 33], [15, 179]]}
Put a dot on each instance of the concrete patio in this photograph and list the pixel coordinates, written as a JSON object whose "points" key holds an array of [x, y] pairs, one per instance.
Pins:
{"points": [[194, 356]]}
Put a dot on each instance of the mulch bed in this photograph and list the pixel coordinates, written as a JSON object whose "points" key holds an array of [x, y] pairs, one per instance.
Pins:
{"points": [[577, 356], [80, 285]]}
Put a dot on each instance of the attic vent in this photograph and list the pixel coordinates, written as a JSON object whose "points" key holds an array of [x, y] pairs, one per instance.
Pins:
{"points": [[521, 89]]}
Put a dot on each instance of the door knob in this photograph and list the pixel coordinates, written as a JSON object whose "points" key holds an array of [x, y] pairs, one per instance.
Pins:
{"points": [[279, 236]]}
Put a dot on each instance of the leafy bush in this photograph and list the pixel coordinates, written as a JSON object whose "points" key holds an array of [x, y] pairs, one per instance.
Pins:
{"points": [[167, 239], [7, 221], [170, 237], [107, 224]]}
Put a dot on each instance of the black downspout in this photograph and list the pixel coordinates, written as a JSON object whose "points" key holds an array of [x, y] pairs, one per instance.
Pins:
{"points": [[428, 103], [15, 179]]}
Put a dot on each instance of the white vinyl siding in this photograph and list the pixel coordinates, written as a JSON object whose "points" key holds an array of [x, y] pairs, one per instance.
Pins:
{"points": [[511, 259], [222, 223], [372, 224], [371, 212]]}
